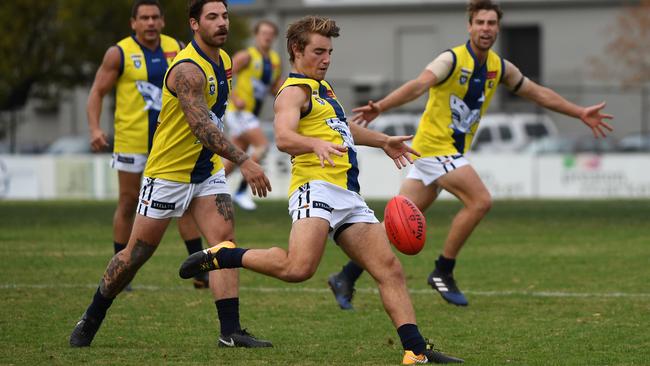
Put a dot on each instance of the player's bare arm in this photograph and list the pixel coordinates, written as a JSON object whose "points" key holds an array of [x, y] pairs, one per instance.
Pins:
{"points": [[393, 146], [188, 81], [105, 79], [548, 98], [436, 70], [288, 106]]}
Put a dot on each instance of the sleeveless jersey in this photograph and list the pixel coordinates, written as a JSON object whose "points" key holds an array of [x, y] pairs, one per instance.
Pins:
{"points": [[252, 83], [177, 155], [325, 120], [456, 104], [138, 92]]}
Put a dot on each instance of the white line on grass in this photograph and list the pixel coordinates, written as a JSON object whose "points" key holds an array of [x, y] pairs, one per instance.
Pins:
{"points": [[17, 286]]}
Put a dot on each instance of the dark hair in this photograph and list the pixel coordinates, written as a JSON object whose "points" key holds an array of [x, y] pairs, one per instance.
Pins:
{"points": [[299, 31], [195, 7], [262, 22], [137, 3], [476, 5]]}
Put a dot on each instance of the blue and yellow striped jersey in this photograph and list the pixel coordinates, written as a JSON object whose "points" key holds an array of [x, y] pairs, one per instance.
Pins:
{"points": [[177, 155], [138, 92], [252, 83], [456, 104], [325, 120]]}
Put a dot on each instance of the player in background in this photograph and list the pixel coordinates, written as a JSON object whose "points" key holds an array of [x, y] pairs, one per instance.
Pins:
{"points": [[184, 173], [324, 200], [256, 74], [461, 82], [136, 66]]}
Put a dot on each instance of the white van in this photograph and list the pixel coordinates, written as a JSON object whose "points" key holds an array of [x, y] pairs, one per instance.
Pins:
{"points": [[503, 132]]}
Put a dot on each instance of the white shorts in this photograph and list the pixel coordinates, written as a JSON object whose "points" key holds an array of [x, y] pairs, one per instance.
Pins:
{"points": [[160, 198], [429, 169], [132, 163], [330, 202], [239, 122]]}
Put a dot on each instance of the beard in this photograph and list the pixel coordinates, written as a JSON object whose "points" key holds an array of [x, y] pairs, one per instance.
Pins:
{"points": [[212, 40]]}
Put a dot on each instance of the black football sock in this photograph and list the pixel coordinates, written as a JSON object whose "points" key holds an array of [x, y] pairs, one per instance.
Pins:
{"points": [[228, 312], [230, 257], [194, 245], [352, 271], [118, 246], [411, 338], [445, 265], [242, 187], [99, 306]]}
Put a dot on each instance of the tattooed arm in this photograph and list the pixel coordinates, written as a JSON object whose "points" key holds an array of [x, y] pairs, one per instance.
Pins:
{"points": [[187, 81]]}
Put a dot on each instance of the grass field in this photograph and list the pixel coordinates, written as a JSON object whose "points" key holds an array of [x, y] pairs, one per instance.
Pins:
{"points": [[549, 283]]}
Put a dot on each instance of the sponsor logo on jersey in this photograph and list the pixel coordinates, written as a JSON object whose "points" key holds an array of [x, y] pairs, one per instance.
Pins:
{"points": [[151, 94], [464, 75], [216, 181], [163, 205], [137, 60], [126, 159], [321, 205], [492, 75], [170, 55], [213, 87]]}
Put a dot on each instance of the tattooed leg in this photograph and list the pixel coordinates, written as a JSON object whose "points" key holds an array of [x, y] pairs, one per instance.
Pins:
{"points": [[225, 207], [123, 267]]}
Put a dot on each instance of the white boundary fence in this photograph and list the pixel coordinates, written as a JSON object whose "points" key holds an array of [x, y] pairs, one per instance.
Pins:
{"points": [[33, 177]]}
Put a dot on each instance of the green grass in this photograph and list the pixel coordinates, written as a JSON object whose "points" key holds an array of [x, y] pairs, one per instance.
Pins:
{"points": [[549, 283]]}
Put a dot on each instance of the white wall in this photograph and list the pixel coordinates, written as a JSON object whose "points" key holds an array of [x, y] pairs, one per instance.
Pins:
{"points": [[506, 176]]}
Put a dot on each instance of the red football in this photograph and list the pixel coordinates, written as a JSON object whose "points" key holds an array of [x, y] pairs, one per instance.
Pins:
{"points": [[405, 225]]}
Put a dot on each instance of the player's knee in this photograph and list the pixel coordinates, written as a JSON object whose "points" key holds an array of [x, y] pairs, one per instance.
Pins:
{"points": [[394, 268], [484, 204], [389, 270], [299, 273], [127, 203]]}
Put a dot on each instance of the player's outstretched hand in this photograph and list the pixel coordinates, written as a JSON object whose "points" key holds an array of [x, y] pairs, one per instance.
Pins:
{"points": [[255, 177], [592, 117], [365, 114], [400, 152], [323, 149], [98, 140]]}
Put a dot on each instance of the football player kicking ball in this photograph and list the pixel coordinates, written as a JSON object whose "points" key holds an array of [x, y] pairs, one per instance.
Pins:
{"points": [[311, 126]]}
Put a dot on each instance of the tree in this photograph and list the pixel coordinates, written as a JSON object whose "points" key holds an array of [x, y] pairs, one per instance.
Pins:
{"points": [[52, 45], [627, 54]]}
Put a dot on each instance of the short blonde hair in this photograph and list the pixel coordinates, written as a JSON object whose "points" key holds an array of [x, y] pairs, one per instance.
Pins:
{"points": [[299, 32]]}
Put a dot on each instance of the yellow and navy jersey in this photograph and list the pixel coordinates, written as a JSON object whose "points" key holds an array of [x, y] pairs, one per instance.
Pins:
{"points": [[325, 120], [456, 104], [177, 155], [138, 92], [252, 83]]}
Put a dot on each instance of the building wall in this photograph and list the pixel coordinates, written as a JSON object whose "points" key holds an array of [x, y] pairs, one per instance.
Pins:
{"points": [[387, 45], [382, 46]]}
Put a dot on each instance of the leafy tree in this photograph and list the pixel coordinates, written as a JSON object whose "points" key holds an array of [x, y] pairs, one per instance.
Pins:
{"points": [[51, 45], [627, 53]]}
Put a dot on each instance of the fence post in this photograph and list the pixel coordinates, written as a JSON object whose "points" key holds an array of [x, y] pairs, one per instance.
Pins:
{"points": [[645, 118]]}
